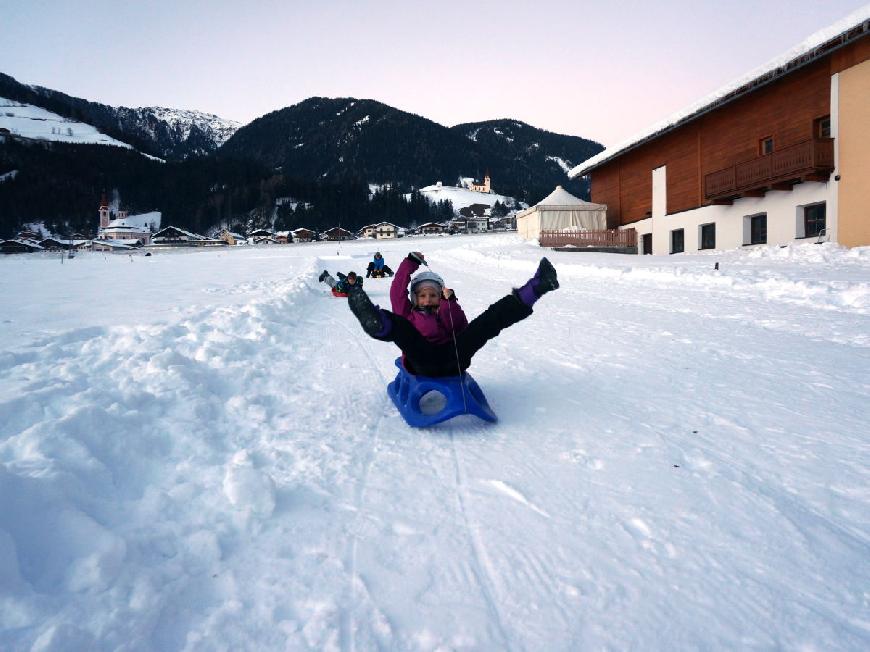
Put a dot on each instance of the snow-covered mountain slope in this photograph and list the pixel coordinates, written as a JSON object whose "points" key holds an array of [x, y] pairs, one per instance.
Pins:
{"points": [[30, 121], [183, 121], [167, 133], [179, 131], [197, 452], [462, 197]]}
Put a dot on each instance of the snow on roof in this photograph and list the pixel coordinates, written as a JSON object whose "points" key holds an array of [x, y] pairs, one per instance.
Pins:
{"points": [[192, 236], [25, 241], [115, 244], [125, 225], [801, 54], [561, 197], [142, 220]]}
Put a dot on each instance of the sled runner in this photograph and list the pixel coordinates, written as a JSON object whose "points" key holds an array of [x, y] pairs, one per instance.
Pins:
{"points": [[462, 393]]}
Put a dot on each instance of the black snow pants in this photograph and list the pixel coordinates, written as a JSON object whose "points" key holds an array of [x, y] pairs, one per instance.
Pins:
{"points": [[424, 358]]}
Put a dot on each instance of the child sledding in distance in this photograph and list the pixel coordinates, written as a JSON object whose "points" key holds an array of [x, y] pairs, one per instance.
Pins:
{"points": [[424, 321], [378, 267], [343, 284]]}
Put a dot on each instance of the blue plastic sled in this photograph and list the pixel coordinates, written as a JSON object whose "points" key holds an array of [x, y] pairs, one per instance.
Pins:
{"points": [[463, 395]]}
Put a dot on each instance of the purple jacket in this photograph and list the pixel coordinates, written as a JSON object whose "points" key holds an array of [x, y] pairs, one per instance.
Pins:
{"points": [[434, 327]]}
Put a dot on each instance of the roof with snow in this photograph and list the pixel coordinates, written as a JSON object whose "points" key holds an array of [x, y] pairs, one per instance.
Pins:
{"points": [[173, 232], [124, 226], [854, 26], [115, 244], [561, 197], [142, 220]]}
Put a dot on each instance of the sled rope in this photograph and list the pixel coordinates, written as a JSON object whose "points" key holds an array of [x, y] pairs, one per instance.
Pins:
{"points": [[456, 351]]}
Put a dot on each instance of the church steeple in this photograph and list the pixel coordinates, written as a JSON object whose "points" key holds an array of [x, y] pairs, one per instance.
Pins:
{"points": [[104, 211]]}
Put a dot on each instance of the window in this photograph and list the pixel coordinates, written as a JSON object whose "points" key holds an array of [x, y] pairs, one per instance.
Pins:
{"points": [[677, 241], [814, 220], [708, 236], [765, 145], [822, 127], [757, 229]]}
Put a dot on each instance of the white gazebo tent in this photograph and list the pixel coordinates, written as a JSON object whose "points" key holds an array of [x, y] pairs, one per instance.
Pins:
{"points": [[561, 211]]}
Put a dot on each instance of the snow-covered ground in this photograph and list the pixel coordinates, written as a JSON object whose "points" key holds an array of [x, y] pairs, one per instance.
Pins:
{"points": [[197, 452], [30, 121], [462, 197]]}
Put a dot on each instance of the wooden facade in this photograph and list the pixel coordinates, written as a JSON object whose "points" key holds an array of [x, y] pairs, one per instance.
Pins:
{"points": [[778, 159], [787, 110]]}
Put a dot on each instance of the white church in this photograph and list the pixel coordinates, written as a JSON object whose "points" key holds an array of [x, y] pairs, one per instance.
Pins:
{"points": [[130, 230]]}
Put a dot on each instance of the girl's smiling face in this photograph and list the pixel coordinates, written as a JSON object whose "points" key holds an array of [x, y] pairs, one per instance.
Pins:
{"points": [[427, 297]]}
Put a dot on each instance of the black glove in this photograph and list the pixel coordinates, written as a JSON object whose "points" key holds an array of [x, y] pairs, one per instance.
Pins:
{"points": [[417, 257], [341, 276]]}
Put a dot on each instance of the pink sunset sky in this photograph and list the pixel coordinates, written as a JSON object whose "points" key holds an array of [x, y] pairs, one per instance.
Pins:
{"points": [[601, 70]]}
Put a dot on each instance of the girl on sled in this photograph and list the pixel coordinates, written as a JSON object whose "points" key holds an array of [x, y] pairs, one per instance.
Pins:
{"points": [[428, 324]]}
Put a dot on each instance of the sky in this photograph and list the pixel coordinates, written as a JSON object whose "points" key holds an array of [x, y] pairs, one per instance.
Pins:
{"points": [[601, 70], [197, 452]]}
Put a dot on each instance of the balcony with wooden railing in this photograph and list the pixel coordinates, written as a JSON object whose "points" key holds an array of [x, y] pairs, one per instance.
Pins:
{"points": [[810, 160], [604, 239]]}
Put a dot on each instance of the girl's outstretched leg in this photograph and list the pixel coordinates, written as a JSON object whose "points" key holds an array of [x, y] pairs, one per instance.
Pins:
{"points": [[542, 282], [505, 312]]}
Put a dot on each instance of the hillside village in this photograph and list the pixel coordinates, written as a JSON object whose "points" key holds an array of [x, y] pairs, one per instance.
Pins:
{"points": [[481, 211]]}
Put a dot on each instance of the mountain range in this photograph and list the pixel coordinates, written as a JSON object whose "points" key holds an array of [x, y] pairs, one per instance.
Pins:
{"points": [[331, 141]]}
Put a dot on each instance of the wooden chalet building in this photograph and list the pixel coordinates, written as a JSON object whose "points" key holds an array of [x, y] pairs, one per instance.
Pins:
{"points": [[261, 236], [431, 228], [302, 235], [19, 246], [337, 233], [172, 236], [779, 157]]}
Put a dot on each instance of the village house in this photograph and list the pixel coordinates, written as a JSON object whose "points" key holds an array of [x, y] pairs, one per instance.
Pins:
{"points": [[56, 244], [232, 238], [776, 158], [283, 237], [302, 235], [368, 231], [19, 246], [172, 236], [431, 228], [114, 246], [380, 231], [337, 233], [457, 225], [477, 225], [261, 236], [506, 223]]}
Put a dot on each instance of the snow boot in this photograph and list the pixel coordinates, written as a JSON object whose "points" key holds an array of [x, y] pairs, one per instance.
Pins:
{"points": [[372, 318], [322, 276], [542, 282]]}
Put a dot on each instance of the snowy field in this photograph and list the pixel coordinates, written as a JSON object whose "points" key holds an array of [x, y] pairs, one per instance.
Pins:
{"points": [[34, 122], [197, 452]]}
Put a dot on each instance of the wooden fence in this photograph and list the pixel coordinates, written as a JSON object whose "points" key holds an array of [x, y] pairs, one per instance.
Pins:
{"points": [[616, 238]]}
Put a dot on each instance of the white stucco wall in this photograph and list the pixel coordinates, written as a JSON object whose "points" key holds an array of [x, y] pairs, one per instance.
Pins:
{"points": [[661, 233], [784, 218], [833, 206]]}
